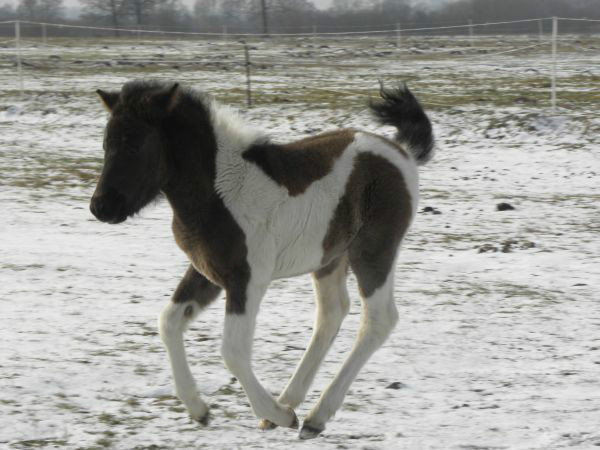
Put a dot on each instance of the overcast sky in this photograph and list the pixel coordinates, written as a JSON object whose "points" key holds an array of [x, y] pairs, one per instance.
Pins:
{"points": [[322, 3], [327, 3], [319, 3]]}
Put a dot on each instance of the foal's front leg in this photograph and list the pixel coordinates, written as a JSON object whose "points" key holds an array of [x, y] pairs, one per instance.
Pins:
{"points": [[240, 323], [192, 295]]}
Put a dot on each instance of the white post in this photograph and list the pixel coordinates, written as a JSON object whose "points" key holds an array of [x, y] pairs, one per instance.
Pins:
{"points": [[44, 33], [554, 39], [18, 48], [314, 31], [541, 29], [398, 36], [224, 28], [471, 33]]}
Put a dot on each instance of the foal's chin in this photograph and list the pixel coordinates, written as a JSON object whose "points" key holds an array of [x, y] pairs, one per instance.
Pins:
{"points": [[112, 220], [115, 218], [123, 214]]}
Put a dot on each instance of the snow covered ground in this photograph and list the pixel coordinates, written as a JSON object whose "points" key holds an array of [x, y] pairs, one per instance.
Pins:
{"points": [[498, 345]]}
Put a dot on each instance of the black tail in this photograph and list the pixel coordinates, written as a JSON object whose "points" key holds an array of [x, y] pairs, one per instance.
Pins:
{"points": [[402, 110]]}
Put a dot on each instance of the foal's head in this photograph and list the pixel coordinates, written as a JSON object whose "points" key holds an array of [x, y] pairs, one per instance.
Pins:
{"points": [[134, 157]]}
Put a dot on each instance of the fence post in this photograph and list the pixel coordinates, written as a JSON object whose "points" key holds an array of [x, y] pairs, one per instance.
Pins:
{"points": [[541, 29], [554, 39], [265, 18], [44, 34], [398, 36], [471, 32], [248, 84], [18, 49]]}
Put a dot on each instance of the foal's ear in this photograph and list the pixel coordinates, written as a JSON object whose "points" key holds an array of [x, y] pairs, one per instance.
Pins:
{"points": [[108, 99], [166, 101]]}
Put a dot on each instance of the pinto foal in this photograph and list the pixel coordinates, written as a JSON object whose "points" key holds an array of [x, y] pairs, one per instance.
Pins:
{"points": [[247, 210]]}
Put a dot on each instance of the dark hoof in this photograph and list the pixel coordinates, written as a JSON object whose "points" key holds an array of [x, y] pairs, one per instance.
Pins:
{"points": [[309, 432], [295, 423], [265, 425], [203, 420]]}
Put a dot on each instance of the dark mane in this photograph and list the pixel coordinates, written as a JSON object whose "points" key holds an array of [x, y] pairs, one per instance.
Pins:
{"points": [[136, 95]]}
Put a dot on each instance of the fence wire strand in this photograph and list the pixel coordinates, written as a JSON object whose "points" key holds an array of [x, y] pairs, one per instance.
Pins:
{"points": [[334, 33], [308, 34]]}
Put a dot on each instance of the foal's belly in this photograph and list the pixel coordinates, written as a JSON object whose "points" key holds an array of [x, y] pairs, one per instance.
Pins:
{"points": [[298, 259], [300, 244]]}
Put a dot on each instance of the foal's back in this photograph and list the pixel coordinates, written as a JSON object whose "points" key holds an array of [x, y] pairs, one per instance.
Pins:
{"points": [[298, 164]]}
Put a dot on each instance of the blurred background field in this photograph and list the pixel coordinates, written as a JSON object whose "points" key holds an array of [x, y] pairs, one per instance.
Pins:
{"points": [[497, 345]]}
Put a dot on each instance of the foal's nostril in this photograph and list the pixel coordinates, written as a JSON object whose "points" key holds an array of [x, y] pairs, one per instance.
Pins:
{"points": [[97, 207]]}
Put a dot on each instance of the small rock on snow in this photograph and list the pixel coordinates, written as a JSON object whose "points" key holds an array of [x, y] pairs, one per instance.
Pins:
{"points": [[504, 207]]}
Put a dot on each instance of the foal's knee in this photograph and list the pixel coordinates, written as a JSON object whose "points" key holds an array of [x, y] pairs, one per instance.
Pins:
{"points": [[175, 317]]}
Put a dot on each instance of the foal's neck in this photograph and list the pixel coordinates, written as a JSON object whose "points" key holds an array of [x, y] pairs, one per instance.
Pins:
{"points": [[191, 150], [200, 136]]}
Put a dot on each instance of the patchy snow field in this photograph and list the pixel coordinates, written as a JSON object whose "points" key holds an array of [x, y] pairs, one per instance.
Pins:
{"points": [[498, 345]]}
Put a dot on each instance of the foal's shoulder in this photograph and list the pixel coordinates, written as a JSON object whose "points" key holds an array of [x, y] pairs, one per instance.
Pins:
{"points": [[296, 165]]}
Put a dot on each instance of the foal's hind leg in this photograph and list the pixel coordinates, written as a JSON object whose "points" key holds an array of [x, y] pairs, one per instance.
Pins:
{"points": [[333, 304], [379, 315], [384, 202], [191, 296]]}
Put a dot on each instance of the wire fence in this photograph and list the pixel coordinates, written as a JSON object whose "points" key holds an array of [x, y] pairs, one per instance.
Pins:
{"points": [[324, 61], [539, 24]]}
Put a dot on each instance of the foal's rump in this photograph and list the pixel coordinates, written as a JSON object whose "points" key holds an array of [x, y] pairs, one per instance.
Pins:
{"points": [[387, 205]]}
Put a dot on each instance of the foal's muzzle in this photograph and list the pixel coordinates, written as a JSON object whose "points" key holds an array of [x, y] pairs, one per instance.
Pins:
{"points": [[109, 207]]}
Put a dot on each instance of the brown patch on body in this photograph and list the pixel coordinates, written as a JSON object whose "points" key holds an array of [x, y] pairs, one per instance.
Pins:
{"points": [[299, 164], [369, 222], [218, 251]]}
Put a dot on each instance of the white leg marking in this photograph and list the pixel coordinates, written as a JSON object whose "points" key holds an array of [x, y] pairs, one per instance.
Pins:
{"points": [[237, 353], [172, 323], [333, 304], [379, 316]]}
